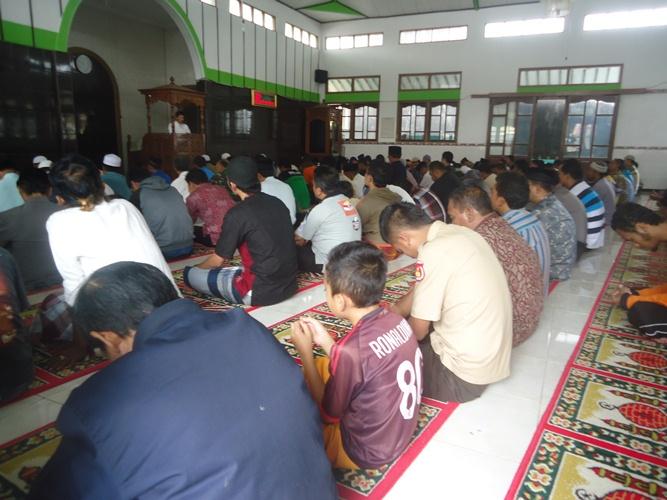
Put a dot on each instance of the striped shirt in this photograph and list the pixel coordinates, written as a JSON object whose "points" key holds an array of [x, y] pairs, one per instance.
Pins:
{"points": [[430, 204], [532, 230], [594, 214]]}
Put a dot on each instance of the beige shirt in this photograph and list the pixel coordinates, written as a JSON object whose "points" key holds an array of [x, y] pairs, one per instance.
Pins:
{"points": [[370, 207], [462, 289]]}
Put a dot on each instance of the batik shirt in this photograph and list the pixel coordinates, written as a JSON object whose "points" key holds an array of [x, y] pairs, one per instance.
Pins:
{"points": [[562, 234], [430, 204], [595, 214], [531, 229]]}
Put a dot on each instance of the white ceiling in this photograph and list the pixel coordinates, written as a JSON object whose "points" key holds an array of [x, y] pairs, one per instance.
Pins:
{"points": [[388, 8]]}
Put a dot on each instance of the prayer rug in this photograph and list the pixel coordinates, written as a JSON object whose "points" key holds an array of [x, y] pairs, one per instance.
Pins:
{"points": [[604, 432]]}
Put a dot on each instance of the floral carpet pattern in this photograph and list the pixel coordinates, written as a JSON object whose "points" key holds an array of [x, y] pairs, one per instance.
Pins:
{"points": [[604, 433]]}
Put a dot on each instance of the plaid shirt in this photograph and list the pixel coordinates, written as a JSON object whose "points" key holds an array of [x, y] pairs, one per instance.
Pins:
{"points": [[430, 204]]}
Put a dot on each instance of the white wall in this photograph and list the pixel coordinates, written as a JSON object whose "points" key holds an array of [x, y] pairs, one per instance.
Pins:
{"points": [[491, 65], [140, 55]]}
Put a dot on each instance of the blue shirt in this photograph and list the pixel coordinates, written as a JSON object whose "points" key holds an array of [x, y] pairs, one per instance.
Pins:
{"points": [[164, 175], [118, 183], [207, 405], [209, 173], [9, 193], [532, 230], [595, 214]]}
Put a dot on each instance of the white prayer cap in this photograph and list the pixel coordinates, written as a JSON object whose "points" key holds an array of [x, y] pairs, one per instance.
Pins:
{"points": [[112, 160], [38, 159], [226, 156], [599, 167], [206, 157], [45, 164]]}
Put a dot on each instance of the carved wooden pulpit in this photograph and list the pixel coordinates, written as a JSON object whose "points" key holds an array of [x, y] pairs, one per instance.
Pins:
{"points": [[169, 146]]}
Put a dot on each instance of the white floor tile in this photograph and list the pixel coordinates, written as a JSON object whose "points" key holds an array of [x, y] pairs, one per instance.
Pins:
{"points": [[27, 415]]}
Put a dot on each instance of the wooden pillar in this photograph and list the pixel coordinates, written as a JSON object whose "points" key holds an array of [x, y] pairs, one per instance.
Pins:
{"points": [[201, 120], [148, 113]]}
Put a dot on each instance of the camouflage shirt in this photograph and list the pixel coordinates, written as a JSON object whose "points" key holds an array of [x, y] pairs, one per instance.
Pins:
{"points": [[562, 233]]}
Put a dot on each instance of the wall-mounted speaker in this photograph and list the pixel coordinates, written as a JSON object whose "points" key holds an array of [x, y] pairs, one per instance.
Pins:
{"points": [[321, 76]]}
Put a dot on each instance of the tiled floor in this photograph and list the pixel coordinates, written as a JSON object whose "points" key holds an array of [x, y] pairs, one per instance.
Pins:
{"points": [[483, 441]]}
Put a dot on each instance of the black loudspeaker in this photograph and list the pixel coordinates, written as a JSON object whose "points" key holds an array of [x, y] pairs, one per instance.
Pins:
{"points": [[321, 76]]}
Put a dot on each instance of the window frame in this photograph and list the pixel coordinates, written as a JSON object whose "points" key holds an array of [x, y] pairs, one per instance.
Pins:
{"points": [[353, 106], [354, 78], [427, 120], [494, 101], [433, 29], [354, 35], [569, 69], [430, 75]]}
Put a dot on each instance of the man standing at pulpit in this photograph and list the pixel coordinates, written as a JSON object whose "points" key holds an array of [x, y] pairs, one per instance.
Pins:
{"points": [[178, 126]]}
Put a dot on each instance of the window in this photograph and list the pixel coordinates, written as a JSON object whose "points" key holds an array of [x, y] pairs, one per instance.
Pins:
{"points": [[525, 27], [209, 2], [576, 75], [359, 122], [643, 18], [300, 35], [428, 121], [435, 81], [434, 35], [251, 14], [354, 84], [550, 127], [354, 41]]}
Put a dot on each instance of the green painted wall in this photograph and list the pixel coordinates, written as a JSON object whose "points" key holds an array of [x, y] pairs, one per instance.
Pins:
{"points": [[557, 89], [429, 95], [345, 97]]}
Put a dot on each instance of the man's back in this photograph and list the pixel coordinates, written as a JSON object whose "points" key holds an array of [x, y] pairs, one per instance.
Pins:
{"points": [[283, 192], [205, 406], [606, 193], [560, 228], [118, 183], [297, 183], [370, 207], [576, 209], [444, 187], [595, 214], [23, 232], [9, 193]]}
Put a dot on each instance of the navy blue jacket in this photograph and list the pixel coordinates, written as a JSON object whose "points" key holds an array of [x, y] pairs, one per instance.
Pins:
{"points": [[206, 406]]}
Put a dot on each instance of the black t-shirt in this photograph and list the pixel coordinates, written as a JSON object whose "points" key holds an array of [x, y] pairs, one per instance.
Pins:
{"points": [[261, 228], [399, 175], [444, 187]]}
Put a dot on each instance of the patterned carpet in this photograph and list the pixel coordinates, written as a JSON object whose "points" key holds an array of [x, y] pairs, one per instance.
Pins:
{"points": [[603, 434]]}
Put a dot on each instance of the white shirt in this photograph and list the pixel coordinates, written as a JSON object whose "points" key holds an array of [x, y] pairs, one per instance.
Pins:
{"points": [[83, 242], [107, 190], [427, 181], [283, 192], [181, 186], [181, 128], [405, 196], [332, 222], [358, 184]]}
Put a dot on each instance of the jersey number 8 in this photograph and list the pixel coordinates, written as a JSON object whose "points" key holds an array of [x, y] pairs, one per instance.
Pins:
{"points": [[412, 390]]}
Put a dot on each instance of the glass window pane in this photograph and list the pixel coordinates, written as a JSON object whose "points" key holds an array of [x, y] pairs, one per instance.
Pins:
{"points": [[600, 152], [543, 77], [450, 123], [366, 84], [269, 22], [413, 122], [522, 133], [360, 41], [587, 132], [577, 108], [496, 150], [446, 81], [571, 152], [407, 37], [305, 37], [375, 39], [606, 108], [414, 82], [549, 121], [258, 17], [424, 36], [614, 74], [297, 33], [346, 42], [313, 41], [523, 78], [339, 85], [497, 132], [525, 108], [521, 150], [235, 7], [333, 42], [500, 109], [576, 76], [247, 12], [509, 131], [602, 130], [574, 127]]}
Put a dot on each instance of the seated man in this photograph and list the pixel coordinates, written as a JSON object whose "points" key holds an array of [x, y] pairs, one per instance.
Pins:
{"points": [[509, 197], [572, 177], [16, 368], [23, 231], [577, 210], [296, 181], [351, 173], [430, 204], [460, 301], [183, 411], [165, 213], [370, 206], [274, 187], [470, 206], [596, 177], [9, 192], [112, 176], [208, 202], [182, 166], [369, 384], [331, 222], [557, 221], [259, 227], [444, 181]]}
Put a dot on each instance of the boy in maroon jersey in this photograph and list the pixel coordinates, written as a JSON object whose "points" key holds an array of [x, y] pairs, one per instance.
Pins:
{"points": [[369, 385]]}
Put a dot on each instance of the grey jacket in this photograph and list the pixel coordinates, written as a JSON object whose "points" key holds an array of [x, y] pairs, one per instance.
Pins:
{"points": [[165, 213]]}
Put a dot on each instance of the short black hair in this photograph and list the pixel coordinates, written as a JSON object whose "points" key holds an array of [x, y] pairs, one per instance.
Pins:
{"points": [[346, 189], [196, 176], [448, 155], [34, 181], [472, 195], [438, 166], [7, 164], [264, 166], [402, 215], [380, 173], [328, 180], [182, 163], [521, 164], [199, 161], [350, 167], [76, 179], [138, 174], [513, 187], [572, 167], [179, 113], [117, 297], [628, 214], [358, 270]]}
